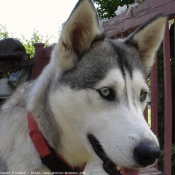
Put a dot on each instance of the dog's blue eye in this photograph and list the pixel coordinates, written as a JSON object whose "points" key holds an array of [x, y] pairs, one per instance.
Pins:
{"points": [[143, 95], [107, 93]]}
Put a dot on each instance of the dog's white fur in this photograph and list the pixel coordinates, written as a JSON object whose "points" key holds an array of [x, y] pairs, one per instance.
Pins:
{"points": [[78, 112]]}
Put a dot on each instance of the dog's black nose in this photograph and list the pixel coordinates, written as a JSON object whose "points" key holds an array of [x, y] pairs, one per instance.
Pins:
{"points": [[146, 154]]}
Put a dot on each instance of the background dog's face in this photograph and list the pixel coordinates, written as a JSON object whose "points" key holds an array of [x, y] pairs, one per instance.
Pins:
{"points": [[101, 91]]}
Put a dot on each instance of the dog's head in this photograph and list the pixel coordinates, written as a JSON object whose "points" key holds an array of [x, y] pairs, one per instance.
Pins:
{"points": [[101, 91]]}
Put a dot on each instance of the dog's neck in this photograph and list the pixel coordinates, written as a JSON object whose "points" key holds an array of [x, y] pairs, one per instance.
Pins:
{"points": [[40, 109], [71, 149], [68, 147], [59, 135], [74, 154], [47, 154]]}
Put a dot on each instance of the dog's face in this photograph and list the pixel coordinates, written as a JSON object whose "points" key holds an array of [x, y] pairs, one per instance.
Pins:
{"points": [[101, 91]]}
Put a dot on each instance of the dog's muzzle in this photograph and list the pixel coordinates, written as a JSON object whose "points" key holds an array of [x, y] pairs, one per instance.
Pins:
{"points": [[108, 165], [144, 155]]}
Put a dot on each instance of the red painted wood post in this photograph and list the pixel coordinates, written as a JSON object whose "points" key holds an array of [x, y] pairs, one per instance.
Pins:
{"points": [[48, 51], [154, 101], [39, 59], [168, 104]]}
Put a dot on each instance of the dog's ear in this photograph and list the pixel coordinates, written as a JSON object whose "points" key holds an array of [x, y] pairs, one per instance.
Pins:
{"points": [[78, 32], [147, 39]]}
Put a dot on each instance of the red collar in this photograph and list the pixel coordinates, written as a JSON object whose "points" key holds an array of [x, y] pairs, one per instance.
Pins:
{"points": [[52, 160]]}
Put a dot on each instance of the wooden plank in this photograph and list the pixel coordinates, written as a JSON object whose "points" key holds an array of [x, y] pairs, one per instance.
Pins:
{"points": [[47, 54], [39, 59], [47, 51], [167, 103], [139, 14]]}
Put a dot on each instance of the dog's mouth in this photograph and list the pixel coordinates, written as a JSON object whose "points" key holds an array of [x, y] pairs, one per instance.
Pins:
{"points": [[108, 165]]}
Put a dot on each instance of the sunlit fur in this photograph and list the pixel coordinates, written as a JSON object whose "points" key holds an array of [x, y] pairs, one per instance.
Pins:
{"points": [[66, 103]]}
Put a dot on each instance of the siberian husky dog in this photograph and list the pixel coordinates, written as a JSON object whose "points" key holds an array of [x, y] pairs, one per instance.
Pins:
{"points": [[88, 102]]}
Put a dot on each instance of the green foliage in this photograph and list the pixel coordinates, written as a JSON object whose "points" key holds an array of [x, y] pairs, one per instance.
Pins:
{"points": [[3, 32], [36, 38], [107, 8]]}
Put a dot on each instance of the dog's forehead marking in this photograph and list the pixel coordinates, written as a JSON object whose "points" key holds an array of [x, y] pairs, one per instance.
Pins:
{"points": [[113, 78], [123, 62], [116, 78], [134, 87], [103, 56], [127, 57], [139, 80], [127, 89]]}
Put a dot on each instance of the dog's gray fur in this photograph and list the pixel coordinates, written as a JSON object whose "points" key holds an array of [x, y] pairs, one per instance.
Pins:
{"points": [[67, 93], [3, 166]]}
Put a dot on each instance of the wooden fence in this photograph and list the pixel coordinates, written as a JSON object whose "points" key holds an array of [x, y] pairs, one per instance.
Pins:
{"points": [[41, 59], [122, 25]]}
